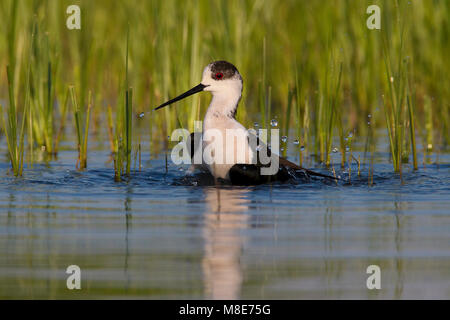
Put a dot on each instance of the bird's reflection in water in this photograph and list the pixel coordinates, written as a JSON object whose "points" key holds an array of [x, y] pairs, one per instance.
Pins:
{"points": [[225, 221]]}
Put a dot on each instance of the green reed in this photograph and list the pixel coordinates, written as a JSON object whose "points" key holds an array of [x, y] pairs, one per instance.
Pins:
{"points": [[335, 119], [428, 128], [128, 127], [303, 119], [124, 121], [412, 133], [122, 136], [117, 134], [286, 121], [62, 123], [43, 91], [15, 147], [399, 106], [328, 115], [82, 137], [11, 34], [264, 40]]}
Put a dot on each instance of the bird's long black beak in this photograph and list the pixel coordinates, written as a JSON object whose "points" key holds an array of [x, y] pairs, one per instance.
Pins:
{"points": [[197, 88]]}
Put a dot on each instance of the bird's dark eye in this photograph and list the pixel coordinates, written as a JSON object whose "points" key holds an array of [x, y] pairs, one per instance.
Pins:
{"points": [[218, 75]]}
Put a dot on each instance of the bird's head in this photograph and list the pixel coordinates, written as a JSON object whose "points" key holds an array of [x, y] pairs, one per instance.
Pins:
{"points": [[221, 78]]}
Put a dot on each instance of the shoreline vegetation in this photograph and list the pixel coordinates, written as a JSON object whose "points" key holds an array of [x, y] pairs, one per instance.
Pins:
{"points": [[312, 68]]}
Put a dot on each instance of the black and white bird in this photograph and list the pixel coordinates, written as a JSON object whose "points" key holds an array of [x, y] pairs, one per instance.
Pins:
{"points": [[224, 81]]}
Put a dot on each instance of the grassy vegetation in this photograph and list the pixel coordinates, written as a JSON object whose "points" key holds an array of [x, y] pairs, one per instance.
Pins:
{"points": [[312, 64], [82, 138], [15, 143], [122, 141]]}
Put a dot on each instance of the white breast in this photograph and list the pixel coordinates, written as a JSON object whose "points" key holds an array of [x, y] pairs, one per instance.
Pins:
{"points": [[225, 143]]}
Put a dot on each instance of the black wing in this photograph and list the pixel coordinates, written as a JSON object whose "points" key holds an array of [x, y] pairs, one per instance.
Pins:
{"points": [[284, 163]]}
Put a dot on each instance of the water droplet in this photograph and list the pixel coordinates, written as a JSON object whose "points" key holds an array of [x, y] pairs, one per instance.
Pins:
{"points": [[350, 135], [296, 142], [368, 123], [302, 148], [392, 79], [256, 125], [347, 149], [141, 115], [335, 150], [284, 138], [369, 116], [273, 122], [281, 149]]}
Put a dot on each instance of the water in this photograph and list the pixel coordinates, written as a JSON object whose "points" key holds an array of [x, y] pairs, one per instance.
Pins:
{"points": [[166, 236]]}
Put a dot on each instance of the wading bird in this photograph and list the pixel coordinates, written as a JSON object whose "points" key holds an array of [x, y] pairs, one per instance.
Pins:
{"points": [[224, 81]]}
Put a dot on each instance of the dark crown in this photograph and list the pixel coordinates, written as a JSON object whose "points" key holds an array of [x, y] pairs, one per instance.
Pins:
{"points": [[227, 69]]}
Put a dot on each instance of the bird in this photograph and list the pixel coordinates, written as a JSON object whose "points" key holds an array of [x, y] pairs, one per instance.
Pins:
{"points": [[225, 83]]}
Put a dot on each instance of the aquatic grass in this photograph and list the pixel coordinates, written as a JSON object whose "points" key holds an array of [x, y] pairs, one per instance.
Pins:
{"points": [[337, 111], [393, 115], [124, 122], [370, 147], [44, 127], [62, 123], [112, 143], [11, 36], [412, 126], [328, 115], [348, 149], [286, 121], [264, 40], [27, 108], [118, 143], [263, 94], [82, 138], [428, 127], [302, 124], [15, 144], [43, 113], [399, 107], [306, 131], [127, 109], [128, 127]]}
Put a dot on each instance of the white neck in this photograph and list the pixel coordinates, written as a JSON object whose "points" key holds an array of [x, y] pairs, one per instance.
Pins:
{"points": [[220, 116], [224, 103]]}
